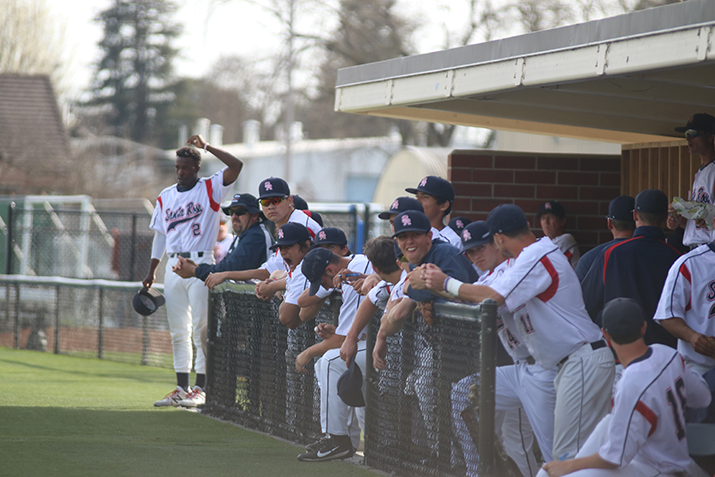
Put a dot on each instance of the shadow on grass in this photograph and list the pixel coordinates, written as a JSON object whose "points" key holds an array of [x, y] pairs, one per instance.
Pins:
{"points": [[47, 441]]}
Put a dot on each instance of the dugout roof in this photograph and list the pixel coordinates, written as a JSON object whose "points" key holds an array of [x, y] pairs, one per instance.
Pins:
{"points": [[625, 79]]}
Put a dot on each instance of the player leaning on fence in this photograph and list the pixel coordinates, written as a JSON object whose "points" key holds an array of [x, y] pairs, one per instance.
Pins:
{"points": [[542, 291], [186, 221]]}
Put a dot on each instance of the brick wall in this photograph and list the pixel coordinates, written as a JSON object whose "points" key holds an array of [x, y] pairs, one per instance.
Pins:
{"points": [[584, 184]]}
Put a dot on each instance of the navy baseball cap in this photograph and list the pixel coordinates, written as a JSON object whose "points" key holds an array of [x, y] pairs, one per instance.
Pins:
{"points": [[622, 317], [147, 300], [700, 122], [248, 201], [621, 208], [313, 267], [552, 207], [402, 204], [299, 202], [435, 186], [458, 223], [331, 236], [506, 218], [476, 234], [273, 187], [411, 221], [652, 201], [291, 233], [350, 386]]}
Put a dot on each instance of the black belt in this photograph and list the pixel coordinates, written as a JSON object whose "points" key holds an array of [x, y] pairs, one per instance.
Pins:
{"points": [[185, 254], [594, 346]]}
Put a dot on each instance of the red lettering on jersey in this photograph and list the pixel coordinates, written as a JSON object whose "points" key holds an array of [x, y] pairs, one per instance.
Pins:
{"points": [[215, 206], [549, 293], [649, 416]]}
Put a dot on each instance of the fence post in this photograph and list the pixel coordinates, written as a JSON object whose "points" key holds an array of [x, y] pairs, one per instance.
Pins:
{"points": [[145, 340], [100, 331], [8, 253], [57, 320], [487, 379], [133, 248], [16, 325]]}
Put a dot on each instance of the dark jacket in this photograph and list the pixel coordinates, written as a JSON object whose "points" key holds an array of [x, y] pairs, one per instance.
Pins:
{"points": [[248, 252], [451, 261]]}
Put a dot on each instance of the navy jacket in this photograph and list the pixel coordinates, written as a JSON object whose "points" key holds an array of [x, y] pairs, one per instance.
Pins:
{"points": [[632, 268], [451, 261], [587, 259], [249, 253]]}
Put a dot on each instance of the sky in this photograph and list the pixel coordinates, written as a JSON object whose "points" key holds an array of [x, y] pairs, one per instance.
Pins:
{"points": [[235, 27]]}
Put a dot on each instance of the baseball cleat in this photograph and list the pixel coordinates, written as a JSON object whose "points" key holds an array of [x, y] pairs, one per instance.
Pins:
{"points": [[317, 444], [331, 449], [195, 397], [173, 398]]}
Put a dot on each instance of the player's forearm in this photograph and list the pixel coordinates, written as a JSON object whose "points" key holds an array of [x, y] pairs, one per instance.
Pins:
{"points": [[678, 328], [234, 164], [309, 312], [365, 313], [242, 275], [479, 293], [307, 301]]}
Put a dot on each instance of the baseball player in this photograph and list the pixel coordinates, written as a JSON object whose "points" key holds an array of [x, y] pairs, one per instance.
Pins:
{"points": [[542, 292], [320, 267], [521, 388], [185, 223], [686, 309], [552, 216], [645, 434], [436, 196], [699, 133]]}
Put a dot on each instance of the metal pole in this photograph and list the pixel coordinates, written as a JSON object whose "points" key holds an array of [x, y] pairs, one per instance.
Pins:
{"points": [[100, 337], [487, 379], [16, 326], [132, 252], [57, 320], [145, 340], [366, 225], [8, 252]]}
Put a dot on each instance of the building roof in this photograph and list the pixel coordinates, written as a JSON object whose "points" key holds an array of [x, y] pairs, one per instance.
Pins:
{"points": [[31, 131], [626, 79]]}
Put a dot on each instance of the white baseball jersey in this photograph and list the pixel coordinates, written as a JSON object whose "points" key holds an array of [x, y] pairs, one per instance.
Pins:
{"points": [[542, 290], [567, 244], [380, 293], [689, 293], [648, 423], [351, 299], [296, 283], [398, 290], [275, 260], [448, 235], [703, 191], [506, 327], [189, 219]]}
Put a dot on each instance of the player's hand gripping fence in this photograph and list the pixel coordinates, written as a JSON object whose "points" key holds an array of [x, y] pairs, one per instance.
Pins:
{"points": [[252, 380]]}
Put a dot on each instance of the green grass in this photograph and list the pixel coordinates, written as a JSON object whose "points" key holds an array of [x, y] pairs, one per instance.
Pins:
{"points": [[69, 416]]}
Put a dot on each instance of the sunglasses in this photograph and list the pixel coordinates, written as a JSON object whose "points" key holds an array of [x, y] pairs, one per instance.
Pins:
{"points": [[239, 212], [272, 201], [693, 133]]}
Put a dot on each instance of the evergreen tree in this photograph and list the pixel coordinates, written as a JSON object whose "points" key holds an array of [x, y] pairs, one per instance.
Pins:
{"points": [[132, 77]]}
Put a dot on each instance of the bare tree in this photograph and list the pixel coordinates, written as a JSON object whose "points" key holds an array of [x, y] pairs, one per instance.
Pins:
{"points": [[32, 41]]}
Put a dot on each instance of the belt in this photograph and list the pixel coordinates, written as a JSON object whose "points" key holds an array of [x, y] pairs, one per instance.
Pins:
{"points": [[529, 360], [594, 346], [185, 254]]}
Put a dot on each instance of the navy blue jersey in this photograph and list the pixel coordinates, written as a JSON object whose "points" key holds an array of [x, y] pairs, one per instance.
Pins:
{"points": [[449, 259], [587, 259]]}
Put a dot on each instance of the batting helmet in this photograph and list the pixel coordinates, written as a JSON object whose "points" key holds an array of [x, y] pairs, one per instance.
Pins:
{"points": [[147, 301]]}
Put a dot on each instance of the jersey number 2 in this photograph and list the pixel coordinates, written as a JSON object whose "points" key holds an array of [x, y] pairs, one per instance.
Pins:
{"points": [[677, 405], [196, 229]]}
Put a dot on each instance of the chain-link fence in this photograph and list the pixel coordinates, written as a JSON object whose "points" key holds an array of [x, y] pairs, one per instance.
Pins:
{"points": [[409, 426], [88, 318]]}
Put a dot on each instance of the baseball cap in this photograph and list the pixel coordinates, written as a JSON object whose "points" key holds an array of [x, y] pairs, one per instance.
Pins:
{"points": [[331, 236], [147, 300], [411, 221], [551, 207], [350, 386], [273, 187], [621, 208], [435, 186], [313, 267], [699, 122], [458, 223], [299, 202], [402, 204], [622, 317], [653, 201], [291, 233], [506, 218], [476, 234], [248, 201]]}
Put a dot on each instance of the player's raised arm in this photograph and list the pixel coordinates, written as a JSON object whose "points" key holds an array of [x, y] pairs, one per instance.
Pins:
{"points": [[234, 164]]}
